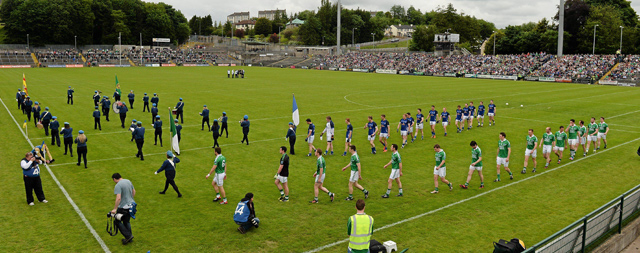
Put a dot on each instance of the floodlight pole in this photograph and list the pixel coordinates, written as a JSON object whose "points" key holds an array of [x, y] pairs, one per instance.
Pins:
{"points": [[338, 51], [353, 35], [560, 27], [594, 40], [120, 48], [141, 49], [621, 38], [373, 40], [494, 43], [75, 41], [27, 42]]}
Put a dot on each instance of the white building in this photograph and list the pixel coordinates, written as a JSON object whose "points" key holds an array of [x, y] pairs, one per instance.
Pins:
{"points": [[399, 30], [237, 17], [245, 25], [271, 14]]}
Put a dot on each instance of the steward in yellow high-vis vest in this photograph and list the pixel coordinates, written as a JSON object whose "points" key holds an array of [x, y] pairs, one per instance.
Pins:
{"points": [[359, 229]]}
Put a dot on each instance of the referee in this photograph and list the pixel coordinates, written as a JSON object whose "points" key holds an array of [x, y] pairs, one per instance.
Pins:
{"points": [[31, 176], [291, 136]]}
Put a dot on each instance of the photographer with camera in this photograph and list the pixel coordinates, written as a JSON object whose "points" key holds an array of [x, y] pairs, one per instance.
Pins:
{"points": [[124, 192], [245, 214], [31, 176]]}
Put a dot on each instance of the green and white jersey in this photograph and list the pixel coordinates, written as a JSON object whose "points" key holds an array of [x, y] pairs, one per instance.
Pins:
{"points": [[355, 159], [441, 156], [560, 139], [548, 138], [573, 132], [321, 165], [221, 164], [603, 127], [531, 141], [593, 127], [476, 154], [395, 160], [583, 130], [504, 148]]}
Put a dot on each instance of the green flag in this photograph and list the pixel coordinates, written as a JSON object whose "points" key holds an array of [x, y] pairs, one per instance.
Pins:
{"points": [[118, 86]]}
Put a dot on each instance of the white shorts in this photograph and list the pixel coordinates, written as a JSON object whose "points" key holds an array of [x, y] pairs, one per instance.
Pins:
{"points": [[310, 139], [502, 161], [458, 120], [410, 130], [478, 168], [491, 114], [546, 149], [532, 153], [371, 138], [403, 133], [602, 136], [432, 123], [419, 126], [329, 138], [320, 180], [445, 123], [480, 116], [384, 135], [558, 148], [281, 179], [354, 176], [442, 172], [471, 118], [583, 140], [347, 140], [573, 142], [592, 138], [464, 118], [219, 179], [395, 173]]}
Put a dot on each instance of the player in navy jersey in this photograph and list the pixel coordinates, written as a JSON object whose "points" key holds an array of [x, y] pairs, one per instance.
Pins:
{"points": [[371, 133], [481, 114], [444, 117], [347, 142], [472, 113], [410, 126], [433, 115], [310, 136], [492, 113], [419, 124], [384, 131], [402, 126], [465, 116], [459, 119]]}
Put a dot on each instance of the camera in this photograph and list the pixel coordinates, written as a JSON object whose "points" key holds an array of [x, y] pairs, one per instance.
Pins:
{"points": [[118, 216]]}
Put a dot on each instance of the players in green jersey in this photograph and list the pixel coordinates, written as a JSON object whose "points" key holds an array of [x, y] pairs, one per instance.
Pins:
{"points": [[582, 138], [592, 136], [220, 168], [504, 152], [476, 165], [548, 140], [396, 171], [532, 145], [603, 130], [321, 169], [356, 173], [561, 139], [573, 137], [440, 170]]}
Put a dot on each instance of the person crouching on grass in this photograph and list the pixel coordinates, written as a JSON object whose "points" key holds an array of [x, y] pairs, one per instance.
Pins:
{"points": [[245, 214]]}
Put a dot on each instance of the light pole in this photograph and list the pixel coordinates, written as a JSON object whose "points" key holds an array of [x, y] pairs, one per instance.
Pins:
{"points": [[621, 38], [140, 49], [353, 34], [594, 40], [494, 43], [279, 36], [75, 41], [323, 40], [373, 40], [27, 41], [120, 48]]}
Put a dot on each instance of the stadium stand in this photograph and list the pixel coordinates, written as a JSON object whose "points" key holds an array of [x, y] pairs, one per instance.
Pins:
{"points": [[103, 56], [576, 66], [16, 57], [55, 57], [178, 57], [628, 68]]}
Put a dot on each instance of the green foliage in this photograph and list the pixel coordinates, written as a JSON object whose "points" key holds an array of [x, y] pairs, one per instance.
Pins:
{"points": [[239, 33], [228, 27], [263, 26], [415, 16], [310, 31], [422, 39], [608, 19], [201, 25]]}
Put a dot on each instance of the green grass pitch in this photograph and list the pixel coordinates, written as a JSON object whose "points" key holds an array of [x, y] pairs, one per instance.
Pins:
{"points": [[531, 207]]}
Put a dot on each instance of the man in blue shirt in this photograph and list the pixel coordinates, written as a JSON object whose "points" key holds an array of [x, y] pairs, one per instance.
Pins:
{"points": [[224, 126], [465, 116], [245, 214], [96, 98], [106, 106], [444, 117], [131, 97], [179, 111], [472, 112], [55, 134], [155, 99], [433, 115], [347, 142], [154, 112], [145, 100], [178, 130], [384, 131], [410, 126], [245, 129], [291, 136], [205, 118], [402, 125], [133, 126], [70, 95], [96, 119], [169, 168], [31, 177], [138, 134], [481, 114], [311, 132], [157, 125], [372, 129], [419, 124], [26, 107], [122, 107], [20, 99], [492, 113], [459, 123], [45, 117], [36, 113]]}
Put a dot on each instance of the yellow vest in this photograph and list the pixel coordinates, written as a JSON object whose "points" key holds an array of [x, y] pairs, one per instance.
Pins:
{"points": [[361, 229]]}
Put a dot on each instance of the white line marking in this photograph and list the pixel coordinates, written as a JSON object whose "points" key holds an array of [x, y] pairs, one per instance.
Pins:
{"points": [[470, 198], [623, 114], [66, 194]]}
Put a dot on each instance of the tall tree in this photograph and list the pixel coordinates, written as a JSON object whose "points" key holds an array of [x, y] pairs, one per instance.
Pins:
{"points": [[608, 19], [263, 27]]}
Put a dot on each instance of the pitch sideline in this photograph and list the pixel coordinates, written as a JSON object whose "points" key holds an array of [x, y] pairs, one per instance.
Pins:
{"points": [[66, 194]]}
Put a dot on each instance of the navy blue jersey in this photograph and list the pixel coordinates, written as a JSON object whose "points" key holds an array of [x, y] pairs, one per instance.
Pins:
{"points": [[138, 133], [157, 124], [472, 110], [481, 110], [465, 111], [492, 108], [145, 99], [459, 114], [384, 126], [131, 96], [410, 121], [205, 113], [96, 114], [372, 127], [312, 128], [445, 116], [432, 115], [419, 117], [404, 123], [349, 130]]}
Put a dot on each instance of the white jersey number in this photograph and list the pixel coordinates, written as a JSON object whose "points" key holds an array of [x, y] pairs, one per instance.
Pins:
{"points": [[240, 209]]}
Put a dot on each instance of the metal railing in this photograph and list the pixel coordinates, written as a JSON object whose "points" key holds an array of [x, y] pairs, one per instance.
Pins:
{"points": [[594, 227]]}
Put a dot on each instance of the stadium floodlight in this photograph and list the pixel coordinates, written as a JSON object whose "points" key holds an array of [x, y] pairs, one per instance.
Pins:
{"points": [[621, 38], [373, 40], [27, 41], [339, 28], [594, 40], [353, 34], [494, 43], [560, 27], [75, 41]]}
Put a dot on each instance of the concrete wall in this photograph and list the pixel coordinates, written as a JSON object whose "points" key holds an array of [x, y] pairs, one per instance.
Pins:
{"points": [[620, 241]]}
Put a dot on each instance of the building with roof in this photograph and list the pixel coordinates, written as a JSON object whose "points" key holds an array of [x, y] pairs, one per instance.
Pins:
{"points": [[271, 14], [399, 30], [237, 17], [295, 23], [245, 25]]}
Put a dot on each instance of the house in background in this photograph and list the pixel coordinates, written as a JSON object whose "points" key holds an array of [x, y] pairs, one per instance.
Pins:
{"points": [[271, 14], [237, 17], [295, 23], [399, 30], [245, 25]]}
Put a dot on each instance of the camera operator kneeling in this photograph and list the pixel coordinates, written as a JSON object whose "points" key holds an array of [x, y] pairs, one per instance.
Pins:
{"points": [[124, 202], [245, 214]]}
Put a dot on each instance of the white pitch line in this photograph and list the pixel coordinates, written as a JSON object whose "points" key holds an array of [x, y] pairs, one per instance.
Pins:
{"points": [[623, 114], [470, 198], [66, 194]]}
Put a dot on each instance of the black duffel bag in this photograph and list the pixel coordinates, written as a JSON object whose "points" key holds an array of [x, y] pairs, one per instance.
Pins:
{"points": [[376, 247], [513, 246]]}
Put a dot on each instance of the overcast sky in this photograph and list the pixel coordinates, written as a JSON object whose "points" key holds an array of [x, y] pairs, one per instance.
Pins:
{"points": [[500, 12]]}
